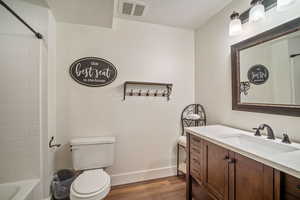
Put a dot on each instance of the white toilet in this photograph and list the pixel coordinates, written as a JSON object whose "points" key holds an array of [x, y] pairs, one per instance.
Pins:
{"points": [[91, 155]]}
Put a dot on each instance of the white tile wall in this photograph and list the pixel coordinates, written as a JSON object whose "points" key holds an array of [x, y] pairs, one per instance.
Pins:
{"points": [[19, 108]]}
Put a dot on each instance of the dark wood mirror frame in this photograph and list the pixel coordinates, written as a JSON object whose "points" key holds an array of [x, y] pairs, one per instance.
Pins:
{"points": [[282, 30]]}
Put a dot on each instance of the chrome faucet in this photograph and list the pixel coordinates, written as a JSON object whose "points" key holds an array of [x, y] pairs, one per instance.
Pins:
{"points": [[270, 133], [257, 131]]}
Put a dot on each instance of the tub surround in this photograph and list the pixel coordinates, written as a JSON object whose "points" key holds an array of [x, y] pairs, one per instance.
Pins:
{"points": [[21, 190], [286, 161]]}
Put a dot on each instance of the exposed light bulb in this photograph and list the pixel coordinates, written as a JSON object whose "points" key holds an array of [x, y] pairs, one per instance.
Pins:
{"points": [[235, 26], [284, 4], [257, 11]]}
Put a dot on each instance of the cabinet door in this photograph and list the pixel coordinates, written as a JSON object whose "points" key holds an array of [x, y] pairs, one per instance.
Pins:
{"points": [[216, 170], [253, 180], [291, 185]]}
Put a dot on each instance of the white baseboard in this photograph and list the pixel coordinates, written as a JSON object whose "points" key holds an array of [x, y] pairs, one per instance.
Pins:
{"points": [[144, 175]]}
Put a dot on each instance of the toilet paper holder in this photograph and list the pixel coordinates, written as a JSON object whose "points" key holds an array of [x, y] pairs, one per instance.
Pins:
{"points": [[51, 145]]}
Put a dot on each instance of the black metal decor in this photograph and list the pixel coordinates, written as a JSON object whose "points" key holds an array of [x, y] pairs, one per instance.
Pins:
{"points": [[186, 121], [258, 74], [192, 109], [93, 72], [37, 34]]}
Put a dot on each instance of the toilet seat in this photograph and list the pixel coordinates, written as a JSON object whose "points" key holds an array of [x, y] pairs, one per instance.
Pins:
{"points": [[90, 185]]}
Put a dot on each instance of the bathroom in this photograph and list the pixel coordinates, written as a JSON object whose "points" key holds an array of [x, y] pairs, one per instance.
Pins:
{"points": [[174, 55]]}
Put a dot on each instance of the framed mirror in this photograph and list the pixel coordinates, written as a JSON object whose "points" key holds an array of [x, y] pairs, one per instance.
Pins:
{"points": [[266, 71]]}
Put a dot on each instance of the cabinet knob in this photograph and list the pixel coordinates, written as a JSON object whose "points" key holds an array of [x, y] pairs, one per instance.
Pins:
{"points": [[231, 161]]}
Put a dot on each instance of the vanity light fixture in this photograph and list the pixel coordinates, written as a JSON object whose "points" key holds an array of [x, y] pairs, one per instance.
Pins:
{"points": [[284, 4], [257, 11], [235, 26]]}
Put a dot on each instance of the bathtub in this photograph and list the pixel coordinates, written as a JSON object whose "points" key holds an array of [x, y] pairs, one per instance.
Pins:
{"points": [[21, 190]]}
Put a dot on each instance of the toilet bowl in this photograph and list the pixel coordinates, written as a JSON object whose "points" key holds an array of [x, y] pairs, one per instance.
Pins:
{"points": [[90, 185]]}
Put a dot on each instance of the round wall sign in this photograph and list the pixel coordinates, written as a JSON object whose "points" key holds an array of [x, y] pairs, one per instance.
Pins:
{"points": [[93, 72], [258, 74]]}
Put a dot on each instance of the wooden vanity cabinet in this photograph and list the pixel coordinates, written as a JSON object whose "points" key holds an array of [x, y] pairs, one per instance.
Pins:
{"points": [[290, 197], [225, 175], [194, 176], [289, 187], [215, 170]]}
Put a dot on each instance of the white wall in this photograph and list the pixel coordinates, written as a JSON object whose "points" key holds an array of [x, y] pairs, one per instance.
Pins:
{"points": [[146, 129], [249, 57], [275, 56], [213, 70], [294, 48], [281, 69], [296, 79], [19, 119]]}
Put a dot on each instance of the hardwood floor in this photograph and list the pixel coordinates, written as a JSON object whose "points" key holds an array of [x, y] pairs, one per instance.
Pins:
{"points": [[172, 188]]}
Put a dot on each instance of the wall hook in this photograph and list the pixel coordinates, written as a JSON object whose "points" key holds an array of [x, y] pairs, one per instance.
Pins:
{"points": [[155, 94]]}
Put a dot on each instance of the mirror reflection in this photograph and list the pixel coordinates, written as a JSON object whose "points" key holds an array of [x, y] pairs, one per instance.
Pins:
{"points": [[270, 72]]}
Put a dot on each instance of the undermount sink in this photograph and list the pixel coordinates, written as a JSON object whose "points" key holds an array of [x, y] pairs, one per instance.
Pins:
{"points": [[258, 145]]}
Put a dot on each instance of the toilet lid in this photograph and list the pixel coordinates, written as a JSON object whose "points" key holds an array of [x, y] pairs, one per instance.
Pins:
{"points": [[91, 181]]}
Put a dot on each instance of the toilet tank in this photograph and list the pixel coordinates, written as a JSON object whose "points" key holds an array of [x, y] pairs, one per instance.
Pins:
{"points": [[92, 152]]}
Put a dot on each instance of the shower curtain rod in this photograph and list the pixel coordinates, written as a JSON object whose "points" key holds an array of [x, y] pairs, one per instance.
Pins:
{"points": [[37, 34], [295, 55]]}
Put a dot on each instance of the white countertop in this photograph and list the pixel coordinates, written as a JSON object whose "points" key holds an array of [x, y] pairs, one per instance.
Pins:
{"points": [[288, 162]]}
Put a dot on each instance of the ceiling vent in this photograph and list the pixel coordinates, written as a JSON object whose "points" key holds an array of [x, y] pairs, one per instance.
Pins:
{"points": [[132, 8]]}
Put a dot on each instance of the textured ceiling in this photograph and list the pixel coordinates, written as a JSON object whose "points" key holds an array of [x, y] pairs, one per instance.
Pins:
{"points": [[88, 12], [179, 13], [189, 14]]}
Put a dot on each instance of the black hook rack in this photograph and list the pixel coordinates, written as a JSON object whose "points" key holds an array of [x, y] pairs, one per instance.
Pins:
{"points": [[147, 93]]}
